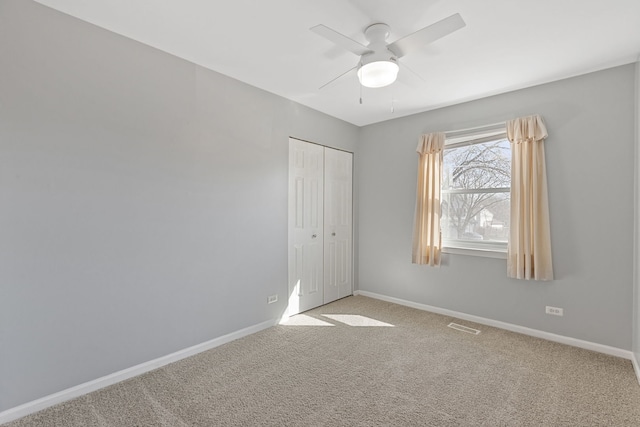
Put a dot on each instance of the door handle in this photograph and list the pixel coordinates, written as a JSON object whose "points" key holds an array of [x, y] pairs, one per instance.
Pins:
{"points": [[333, 234], [313, 236]]}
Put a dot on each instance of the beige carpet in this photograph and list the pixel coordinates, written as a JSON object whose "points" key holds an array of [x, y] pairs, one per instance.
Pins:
{"points": [[324, 371]]}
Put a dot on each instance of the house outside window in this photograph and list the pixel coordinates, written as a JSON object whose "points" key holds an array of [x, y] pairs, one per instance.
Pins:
{"points": [[476, 180]]}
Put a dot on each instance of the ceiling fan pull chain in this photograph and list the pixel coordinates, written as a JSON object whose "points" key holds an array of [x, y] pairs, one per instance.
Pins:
{"points": [[393, 99], [359, 84]]}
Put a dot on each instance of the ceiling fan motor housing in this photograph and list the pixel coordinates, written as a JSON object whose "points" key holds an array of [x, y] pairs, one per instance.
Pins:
{"points": [[379, 67]]}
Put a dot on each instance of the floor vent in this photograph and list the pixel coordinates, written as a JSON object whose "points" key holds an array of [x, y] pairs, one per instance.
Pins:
{"points": [[463, 328]]}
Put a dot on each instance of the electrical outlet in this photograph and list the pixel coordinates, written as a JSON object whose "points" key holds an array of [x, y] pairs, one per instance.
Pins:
{"points": [[556, 311], [272, 298]]}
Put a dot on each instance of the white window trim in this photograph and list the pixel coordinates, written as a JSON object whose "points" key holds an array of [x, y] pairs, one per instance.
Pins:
{"points": [[462, 138], [485, 253]]}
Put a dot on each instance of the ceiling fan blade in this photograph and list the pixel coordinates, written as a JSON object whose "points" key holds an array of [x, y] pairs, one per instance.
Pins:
{"points": [[426, 35], [334, 79], [416, 75], [340, 39]]}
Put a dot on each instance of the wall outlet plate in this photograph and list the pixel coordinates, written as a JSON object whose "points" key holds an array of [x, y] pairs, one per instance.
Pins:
{"points": [[556, 311], [272, 298]]}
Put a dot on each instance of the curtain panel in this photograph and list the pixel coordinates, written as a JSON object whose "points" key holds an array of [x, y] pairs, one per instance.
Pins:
{"points": [[529, 248], [427, 240]]}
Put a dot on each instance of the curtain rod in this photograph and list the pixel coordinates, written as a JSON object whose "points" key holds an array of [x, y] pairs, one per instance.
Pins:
{"points": [[493, 125]]}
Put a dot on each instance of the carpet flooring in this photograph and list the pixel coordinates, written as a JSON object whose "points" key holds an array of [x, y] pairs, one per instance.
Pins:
{"points": [[365, 362]]}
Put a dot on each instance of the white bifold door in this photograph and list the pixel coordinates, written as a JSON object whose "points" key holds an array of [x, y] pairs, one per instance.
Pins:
{"points": [[320, 225]]}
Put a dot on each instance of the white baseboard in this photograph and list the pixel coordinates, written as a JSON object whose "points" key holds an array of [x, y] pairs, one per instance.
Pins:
{"points": [[81, 389], [600, 348], [636, 366]]}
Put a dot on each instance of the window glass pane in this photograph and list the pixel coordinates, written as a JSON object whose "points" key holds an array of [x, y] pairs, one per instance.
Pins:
{"points": [[475, 197], [482, 217], [477, 166]]}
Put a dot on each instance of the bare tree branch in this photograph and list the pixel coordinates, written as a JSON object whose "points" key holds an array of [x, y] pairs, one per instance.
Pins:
{"points": [[473, 167]]}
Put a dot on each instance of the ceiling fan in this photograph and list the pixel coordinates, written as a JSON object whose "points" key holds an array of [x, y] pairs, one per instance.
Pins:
{"points": [[378, 65]]}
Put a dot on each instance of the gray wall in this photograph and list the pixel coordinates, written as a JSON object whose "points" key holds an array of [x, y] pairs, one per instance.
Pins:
{"points": [[144, 201], [590, 160]]}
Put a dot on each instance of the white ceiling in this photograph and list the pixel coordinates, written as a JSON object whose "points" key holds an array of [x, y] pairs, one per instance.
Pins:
{"points": [[506, 45]]}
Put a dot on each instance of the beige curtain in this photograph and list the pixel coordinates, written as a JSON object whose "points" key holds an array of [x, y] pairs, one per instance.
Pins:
{"points": [[427, 242], [529, 249]]}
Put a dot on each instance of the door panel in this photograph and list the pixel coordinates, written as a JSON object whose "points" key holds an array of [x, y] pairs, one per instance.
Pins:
{"points": [[306, 218], [337, 224]]}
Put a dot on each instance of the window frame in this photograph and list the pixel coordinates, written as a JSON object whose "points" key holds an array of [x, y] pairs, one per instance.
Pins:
{"points": [[463, 138]]}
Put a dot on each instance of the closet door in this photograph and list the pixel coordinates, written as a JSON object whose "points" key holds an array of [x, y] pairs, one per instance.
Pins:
{"points": [[306, 209], [337, 224]]}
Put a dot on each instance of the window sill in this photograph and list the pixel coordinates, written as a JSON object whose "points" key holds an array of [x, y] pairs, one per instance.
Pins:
{"points": [[486, 253]]}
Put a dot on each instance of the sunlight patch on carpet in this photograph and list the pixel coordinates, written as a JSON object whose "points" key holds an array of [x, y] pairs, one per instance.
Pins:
{"points": [[304, 320], [356, 320]]}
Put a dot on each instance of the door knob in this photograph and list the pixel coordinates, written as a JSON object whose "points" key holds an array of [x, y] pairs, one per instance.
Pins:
{"points": [[313, 236], [333, 234]]}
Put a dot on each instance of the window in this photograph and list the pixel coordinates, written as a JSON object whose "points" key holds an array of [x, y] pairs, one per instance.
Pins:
{"points": [[476, 181]]}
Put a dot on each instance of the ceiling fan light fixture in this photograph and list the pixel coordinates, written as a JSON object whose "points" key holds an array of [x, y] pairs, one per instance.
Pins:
{"points": [[378, 73]]}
